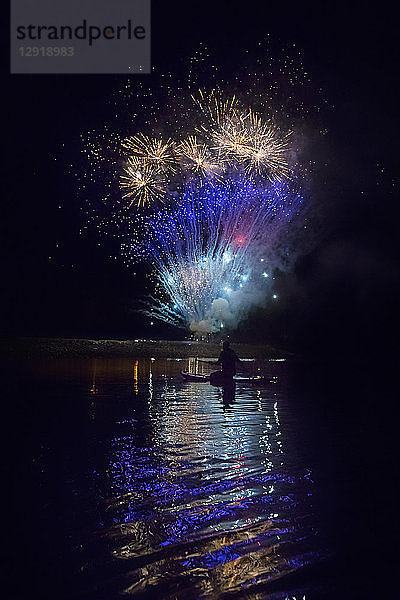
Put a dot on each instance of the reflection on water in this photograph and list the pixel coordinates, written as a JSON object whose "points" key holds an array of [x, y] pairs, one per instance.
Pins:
{"points": [[193, 491]]}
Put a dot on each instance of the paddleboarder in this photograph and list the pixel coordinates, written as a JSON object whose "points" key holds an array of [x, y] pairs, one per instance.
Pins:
{"points": [[228, 361]]}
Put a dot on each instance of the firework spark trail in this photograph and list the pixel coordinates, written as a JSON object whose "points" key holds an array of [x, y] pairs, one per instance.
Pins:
{"points": [[266, 154], [206, 249], [197, 157], [257, 146], [152, 151], [142, 182], [215, 108]]}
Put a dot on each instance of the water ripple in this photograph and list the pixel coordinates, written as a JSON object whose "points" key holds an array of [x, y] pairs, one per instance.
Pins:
{"points": [[197, 497]]}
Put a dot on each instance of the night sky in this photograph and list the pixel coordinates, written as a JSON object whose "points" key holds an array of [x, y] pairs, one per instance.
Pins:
{"points": [[341, 293]]}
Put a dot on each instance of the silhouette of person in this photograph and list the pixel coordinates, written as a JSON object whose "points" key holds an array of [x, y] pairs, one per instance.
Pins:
{"points": [[228, 360]]}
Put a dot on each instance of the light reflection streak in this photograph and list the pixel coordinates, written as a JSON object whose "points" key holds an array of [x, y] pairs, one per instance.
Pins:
{"points": [[150, 384], [135, 376], [213, 488], [93, 388]]}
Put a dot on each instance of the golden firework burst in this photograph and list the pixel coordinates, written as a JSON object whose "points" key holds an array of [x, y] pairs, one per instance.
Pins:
{"points": [[142, 182], [198, 158], [152, 151]]}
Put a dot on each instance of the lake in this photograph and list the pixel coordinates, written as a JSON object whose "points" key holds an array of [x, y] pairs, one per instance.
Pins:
{"points": [[124, 480]]}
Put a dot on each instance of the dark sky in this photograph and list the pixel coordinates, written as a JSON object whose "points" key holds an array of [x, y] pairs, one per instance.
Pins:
{"points": [[346, 287]]}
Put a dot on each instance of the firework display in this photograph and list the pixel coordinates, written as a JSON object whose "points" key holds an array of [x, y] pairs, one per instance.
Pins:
{"points": [[210, 191], [230, 139]]}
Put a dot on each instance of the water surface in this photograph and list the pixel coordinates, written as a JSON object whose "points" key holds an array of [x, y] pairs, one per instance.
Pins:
{"points": [[140, 484]]}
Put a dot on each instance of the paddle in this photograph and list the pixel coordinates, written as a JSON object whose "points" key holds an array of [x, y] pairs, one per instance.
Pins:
{"points": [[206, 362]]}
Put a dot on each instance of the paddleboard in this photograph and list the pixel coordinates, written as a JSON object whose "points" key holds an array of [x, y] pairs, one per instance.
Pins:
{"points": [[216, 378]]}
